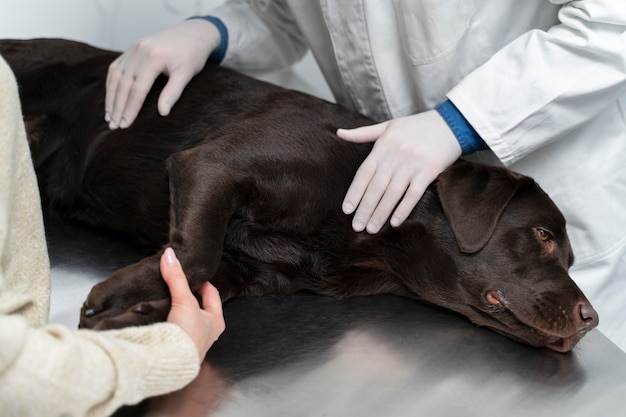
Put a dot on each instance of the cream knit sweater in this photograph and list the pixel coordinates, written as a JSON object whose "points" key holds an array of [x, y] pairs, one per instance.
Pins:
{"points": [[49, 370]]}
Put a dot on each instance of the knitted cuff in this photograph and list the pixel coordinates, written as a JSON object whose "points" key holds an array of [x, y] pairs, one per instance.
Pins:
{"points": [[468, 138], [218, 54]]}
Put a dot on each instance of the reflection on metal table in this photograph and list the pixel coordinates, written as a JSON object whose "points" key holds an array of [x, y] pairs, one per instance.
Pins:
{"points": [[308, 355]]}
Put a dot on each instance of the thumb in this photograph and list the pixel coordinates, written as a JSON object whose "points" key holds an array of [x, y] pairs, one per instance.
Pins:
{"points": [[362, 134], [174, 276], [172, 92]]}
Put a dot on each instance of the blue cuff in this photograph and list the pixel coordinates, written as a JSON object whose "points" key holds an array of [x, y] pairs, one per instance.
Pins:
{"points": [[218, 54], [468, 138]]}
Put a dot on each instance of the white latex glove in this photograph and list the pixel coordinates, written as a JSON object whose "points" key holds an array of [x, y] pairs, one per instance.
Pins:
{"points": [[179, 52], [408, 155]]}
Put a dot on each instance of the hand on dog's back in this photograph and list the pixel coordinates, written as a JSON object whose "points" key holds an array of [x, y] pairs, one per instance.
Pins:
{"points": [[179, 52]]}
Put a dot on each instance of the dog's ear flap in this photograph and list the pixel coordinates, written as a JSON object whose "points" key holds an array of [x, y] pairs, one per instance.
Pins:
{"points": [[473, 197]]}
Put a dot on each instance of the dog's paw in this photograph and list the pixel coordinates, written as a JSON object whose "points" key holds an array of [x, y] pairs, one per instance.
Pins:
{"points": [[125, 297], [146, 312]]}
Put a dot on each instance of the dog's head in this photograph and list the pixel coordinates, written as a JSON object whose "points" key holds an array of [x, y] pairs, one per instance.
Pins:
{"points": [[514, 257]]}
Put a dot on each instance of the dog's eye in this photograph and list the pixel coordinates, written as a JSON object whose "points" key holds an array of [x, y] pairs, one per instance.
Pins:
{"points": [[543, 234]]}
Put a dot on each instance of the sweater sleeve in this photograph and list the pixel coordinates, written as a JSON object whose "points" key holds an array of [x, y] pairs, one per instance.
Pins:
{"points": [[546, 83], [89, 373], [262, 35]]}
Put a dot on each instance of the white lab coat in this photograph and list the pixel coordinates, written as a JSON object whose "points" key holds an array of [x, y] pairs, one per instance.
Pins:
{"points": [[543, 82]]}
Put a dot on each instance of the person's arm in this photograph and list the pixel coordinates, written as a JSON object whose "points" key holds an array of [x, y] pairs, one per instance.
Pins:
{"points": [[546, 83], [179, 51], [262, 35], [93, 373], [246, 36], [55, 371], [531, 92]]}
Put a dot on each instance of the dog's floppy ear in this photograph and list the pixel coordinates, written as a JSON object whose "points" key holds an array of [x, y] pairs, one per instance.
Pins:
{"points": [[473, 197]]}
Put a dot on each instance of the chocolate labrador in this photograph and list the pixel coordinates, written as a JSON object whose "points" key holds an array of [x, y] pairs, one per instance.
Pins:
{"points": [[245, 181]]}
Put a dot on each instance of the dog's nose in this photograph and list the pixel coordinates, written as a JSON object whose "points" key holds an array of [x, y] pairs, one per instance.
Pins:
{"points": [[588, 316]]}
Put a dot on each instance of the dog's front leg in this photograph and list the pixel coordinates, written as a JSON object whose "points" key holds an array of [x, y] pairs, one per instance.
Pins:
{"points": [[202, 200], [203, 197]]}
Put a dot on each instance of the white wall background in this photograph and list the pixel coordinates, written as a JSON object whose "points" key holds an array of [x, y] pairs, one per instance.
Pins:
{"points": [[116, 24]]}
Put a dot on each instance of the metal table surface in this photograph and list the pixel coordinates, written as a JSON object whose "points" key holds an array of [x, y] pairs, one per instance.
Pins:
{"points": [[308, 355]]}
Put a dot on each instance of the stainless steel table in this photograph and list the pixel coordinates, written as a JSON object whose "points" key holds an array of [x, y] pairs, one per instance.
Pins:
{"points": [[308, 355]]}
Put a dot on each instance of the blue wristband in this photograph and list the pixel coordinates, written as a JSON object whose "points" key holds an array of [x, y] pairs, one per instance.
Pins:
{"points": [[467, 136], [218, 54]]}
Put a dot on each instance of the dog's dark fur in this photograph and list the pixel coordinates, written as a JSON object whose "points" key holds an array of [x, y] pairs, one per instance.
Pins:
{"points": [[250, 178]]}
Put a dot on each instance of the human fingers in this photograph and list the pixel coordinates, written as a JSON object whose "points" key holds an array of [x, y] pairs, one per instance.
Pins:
{"points": [[362, 134], [366, 171], [370, 200], [211, 318], [397, 191], [175, 278], [371, 179], [411, 197], [172, 91], [204, 325], [114, 74], [211, 300], [359, 184], [212, 304], [120, 77], [132, 90], [394, 192]]}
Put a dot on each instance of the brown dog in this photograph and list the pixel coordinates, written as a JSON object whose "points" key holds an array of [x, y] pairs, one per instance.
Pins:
{"points": [[245, 181]]}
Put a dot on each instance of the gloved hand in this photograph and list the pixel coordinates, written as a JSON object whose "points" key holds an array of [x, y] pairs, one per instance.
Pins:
{"points": [[408, 155], [179, 51]]}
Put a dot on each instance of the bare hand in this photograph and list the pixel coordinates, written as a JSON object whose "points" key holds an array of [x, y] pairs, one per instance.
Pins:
{"points": [[204, 325], [408, 155], [179, 52]]}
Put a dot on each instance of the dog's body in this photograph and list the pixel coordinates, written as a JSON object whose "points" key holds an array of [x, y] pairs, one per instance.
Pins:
{"points": [[251, 178]]}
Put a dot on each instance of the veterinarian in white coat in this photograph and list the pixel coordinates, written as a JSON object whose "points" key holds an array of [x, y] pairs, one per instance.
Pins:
{"points": [[540, 85]]}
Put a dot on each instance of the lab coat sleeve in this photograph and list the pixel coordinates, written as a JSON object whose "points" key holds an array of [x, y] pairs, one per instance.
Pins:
{"points": [[546, 83], [262, 35]]}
